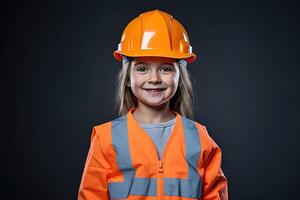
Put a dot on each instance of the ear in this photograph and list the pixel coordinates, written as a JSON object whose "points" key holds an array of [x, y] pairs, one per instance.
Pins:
{"points": [[128, 84]]}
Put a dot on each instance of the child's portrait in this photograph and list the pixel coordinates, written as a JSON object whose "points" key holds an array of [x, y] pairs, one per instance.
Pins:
{"points": [[153, 150]]}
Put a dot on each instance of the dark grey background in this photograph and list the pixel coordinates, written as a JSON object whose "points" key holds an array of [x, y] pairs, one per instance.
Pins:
{"points": [[57, 82]]}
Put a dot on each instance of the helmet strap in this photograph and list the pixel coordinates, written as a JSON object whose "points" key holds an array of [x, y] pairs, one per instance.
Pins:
{"points": [[183, 62], [125, 59]]}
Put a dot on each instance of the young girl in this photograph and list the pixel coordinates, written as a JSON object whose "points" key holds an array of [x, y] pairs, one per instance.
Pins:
{"points": [[153, 150]]}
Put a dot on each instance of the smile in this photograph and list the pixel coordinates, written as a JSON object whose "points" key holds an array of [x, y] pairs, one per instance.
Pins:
{"points": [[155, 91]]}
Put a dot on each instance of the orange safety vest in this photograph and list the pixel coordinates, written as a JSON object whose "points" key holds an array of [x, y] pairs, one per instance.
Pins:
{"points": [[123, 163]]}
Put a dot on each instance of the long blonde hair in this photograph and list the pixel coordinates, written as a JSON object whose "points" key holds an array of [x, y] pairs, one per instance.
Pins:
{"points": [[182, 101]]}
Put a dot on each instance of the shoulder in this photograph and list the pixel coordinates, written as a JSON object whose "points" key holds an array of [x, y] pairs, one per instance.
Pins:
{"points": [[206, 140], [103, 130], [199, 125], [101, 136], [99, 133], [102, 127], [209, 147]]}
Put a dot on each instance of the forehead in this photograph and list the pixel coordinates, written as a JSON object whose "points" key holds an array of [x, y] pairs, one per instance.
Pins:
{"points": [[151, 60]]}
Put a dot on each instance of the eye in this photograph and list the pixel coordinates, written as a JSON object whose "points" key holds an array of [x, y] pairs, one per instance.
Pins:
{"points": [[167, 68], [141, 68]]}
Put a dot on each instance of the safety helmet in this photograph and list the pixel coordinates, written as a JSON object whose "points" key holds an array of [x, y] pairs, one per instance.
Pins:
{"points": [[155, 33]]}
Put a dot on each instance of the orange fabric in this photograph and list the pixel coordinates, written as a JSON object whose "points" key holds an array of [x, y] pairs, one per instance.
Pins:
{"points": [[101, 167], [155, 33], [214, 180]]}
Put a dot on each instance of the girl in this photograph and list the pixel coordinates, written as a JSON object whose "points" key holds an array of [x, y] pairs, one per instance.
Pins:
{"points": [[153, 150]]}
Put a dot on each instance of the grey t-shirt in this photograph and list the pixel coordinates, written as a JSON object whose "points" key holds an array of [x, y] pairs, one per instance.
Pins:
{"points": [[160, 133]]}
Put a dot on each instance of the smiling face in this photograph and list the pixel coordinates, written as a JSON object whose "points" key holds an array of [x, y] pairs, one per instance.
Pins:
{"points": [[153, 80]]}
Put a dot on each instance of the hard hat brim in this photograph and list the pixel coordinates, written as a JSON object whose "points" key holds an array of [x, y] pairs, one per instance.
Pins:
{"points": [[191, 57]]}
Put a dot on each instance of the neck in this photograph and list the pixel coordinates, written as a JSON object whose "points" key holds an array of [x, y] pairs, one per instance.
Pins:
{"points": [[148, 115]]}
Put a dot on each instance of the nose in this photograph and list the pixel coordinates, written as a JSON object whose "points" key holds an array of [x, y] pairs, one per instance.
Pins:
{"points": [[154, 77]]}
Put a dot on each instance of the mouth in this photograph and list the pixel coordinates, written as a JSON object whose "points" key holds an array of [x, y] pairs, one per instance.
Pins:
{"points": [[154, 91]]}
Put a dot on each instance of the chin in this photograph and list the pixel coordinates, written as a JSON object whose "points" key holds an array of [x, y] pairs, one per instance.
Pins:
{"points": [[154, 104]]}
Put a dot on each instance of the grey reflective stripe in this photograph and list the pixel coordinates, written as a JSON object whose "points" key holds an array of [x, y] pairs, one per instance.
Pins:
{"points": [[189, 188], [192, 186], [193, 146], [132, 185], [120, 142]]}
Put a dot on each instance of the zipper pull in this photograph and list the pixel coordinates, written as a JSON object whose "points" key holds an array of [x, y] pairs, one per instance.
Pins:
{"points": [[160, 166]]}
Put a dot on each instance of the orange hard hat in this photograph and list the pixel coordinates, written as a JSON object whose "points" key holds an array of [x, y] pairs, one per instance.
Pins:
{"points": [[155, 33]]}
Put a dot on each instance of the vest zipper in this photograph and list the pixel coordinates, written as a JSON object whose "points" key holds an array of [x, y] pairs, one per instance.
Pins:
{"points": [[160, 179]]}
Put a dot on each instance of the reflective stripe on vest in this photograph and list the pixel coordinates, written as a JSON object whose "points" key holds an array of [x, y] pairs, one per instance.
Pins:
{"points": [[132, 185], [189, 188]]}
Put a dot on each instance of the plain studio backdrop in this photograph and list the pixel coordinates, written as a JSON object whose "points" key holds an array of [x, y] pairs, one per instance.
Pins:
{"points": [[58, 80]]}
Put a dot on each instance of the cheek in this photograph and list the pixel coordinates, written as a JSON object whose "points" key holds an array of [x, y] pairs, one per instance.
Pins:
{"points": [[172, 80], [135, 82]]}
